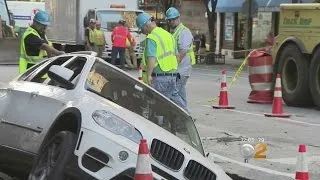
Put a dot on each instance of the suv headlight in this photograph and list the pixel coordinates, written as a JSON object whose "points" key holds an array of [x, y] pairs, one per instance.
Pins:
{"points": [[116, 125]]}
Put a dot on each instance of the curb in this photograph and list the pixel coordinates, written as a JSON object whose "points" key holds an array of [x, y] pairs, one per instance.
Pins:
{"points": [[9, 62]]}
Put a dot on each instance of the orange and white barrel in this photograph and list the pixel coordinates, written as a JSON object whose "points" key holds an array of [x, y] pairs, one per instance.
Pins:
{"points": [[260, 68]]}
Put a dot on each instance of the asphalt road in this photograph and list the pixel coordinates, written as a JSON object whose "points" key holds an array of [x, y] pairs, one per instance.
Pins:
{"points": [[222, 131]]}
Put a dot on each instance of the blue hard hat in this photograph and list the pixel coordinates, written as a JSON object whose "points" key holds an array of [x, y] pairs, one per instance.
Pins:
{"points": [[42, 17], [142, 19], [172, 13]]}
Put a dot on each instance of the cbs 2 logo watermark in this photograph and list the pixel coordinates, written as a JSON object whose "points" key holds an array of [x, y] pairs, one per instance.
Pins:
{"points": [[258, 151]]}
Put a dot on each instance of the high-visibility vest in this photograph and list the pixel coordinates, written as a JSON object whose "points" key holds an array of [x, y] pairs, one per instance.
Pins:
{"points": [[24, 59], [176, 35], [128, 44], [99, 37], [91, 35], [166, 48]]}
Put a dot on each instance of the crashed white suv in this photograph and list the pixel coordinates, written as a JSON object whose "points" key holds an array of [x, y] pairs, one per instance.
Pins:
{"points": [[75, 116]]}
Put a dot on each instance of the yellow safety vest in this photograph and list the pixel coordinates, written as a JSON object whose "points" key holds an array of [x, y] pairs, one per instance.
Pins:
{"points": [[91, 35], [128, 44], [24, 59], [98, 37], [166, 48], [176, 35]]}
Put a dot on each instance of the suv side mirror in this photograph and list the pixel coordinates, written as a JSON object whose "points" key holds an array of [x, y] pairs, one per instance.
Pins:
{"points": [[61, 75]]}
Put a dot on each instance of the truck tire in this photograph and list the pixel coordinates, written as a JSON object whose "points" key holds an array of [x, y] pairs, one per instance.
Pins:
{"points": [[293, 67], [315, 78]]}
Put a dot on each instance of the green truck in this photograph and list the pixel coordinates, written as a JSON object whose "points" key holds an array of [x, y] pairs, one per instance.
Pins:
{"points": [[296, 54]]}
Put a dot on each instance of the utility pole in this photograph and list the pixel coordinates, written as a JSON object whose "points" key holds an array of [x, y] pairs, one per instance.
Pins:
{"points": [[249, 24]]}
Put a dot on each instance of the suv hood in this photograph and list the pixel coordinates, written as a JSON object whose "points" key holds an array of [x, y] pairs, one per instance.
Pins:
{"points": [[152, 131]]}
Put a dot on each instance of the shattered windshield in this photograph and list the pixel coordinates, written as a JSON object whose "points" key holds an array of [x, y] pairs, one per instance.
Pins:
{"points": [[110, 18], [140, 99]]}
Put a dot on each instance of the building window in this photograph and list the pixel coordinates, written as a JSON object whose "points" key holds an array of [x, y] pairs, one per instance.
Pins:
{"points": [[229, 27]]}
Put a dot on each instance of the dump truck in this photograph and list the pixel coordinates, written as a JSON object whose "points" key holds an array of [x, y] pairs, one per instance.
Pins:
{"points": [[69, 19], [296, 54]]}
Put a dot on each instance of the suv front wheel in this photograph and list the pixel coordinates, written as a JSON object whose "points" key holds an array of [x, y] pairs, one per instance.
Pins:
{"points": [[53, 157]]}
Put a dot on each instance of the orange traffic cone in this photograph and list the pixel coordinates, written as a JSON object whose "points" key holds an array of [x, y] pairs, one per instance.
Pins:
{"points": [[143, 168], [140, 73], [277, 105], [223, 99], [302, 165]]}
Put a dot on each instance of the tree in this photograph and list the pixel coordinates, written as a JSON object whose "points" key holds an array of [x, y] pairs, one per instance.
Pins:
{"points": [[212, 17]]}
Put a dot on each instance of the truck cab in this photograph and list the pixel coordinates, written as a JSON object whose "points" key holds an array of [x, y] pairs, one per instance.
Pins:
{"points": [[109, 19], [69, 20]]}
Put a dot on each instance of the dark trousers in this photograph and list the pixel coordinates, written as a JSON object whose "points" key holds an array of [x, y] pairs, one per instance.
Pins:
{"points": [[114, 53]]}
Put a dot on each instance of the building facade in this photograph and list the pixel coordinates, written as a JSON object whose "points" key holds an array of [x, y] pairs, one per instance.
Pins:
{"points": [[238, 32], [193, 15]]}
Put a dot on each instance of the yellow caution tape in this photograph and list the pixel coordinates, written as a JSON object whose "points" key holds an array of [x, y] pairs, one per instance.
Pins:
{"points": [[234, 79]]}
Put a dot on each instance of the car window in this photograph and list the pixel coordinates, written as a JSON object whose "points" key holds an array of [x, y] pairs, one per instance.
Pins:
{"points": [[38, 74], [29, 71], [76, 64], [133, 95]]}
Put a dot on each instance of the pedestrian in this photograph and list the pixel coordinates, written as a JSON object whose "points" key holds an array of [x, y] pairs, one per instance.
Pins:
{"points": [[159, 60], [99, 39], [118, 37], [89, 35], [196, 40], [186, 58], [34, 43], [202, 44]]}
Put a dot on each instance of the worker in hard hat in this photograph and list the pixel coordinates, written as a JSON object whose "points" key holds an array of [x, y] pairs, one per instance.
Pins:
{"points": [[186, 58], [159, 60], [89, 35], [99, 39], [118, 37], [34, 43]]}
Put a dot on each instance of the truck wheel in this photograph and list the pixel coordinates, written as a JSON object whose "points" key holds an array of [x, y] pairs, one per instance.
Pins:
{"points": [[315, 78], [293, 67], [53, 157]]}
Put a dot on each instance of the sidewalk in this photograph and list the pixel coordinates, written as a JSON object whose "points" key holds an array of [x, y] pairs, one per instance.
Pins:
{"points": [[9, 51]]}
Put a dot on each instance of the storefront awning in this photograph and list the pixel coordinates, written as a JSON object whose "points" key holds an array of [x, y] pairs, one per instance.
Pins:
{"points": [[269, 5], [229, 5], [257, 5]]}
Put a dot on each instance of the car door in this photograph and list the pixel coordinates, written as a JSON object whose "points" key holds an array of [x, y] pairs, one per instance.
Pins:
{"points": [[32, 106]]}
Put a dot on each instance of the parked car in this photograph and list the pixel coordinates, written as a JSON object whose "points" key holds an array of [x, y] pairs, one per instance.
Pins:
{"points": [[77, 116]]}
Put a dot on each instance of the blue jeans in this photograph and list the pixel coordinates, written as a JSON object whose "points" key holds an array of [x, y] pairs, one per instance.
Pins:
{"points": [[114, 53], [181, 91], [166, 85]]}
